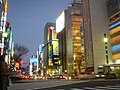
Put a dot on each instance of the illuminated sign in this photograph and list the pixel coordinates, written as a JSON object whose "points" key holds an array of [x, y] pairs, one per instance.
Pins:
{"points": [[48, 34], [5, 5], [55, 48], [49, 50], [34, 60], [17, 65], [41, 48], [53, 32], [60, 22]]}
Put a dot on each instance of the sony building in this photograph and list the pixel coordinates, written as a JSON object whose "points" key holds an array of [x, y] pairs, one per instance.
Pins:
{"points": [[73, 38]]}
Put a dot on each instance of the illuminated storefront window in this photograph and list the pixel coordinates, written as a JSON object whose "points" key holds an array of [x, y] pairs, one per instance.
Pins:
{"points": [[117, 47]]}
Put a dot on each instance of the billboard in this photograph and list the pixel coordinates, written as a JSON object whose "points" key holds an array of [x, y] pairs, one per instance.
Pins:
{"points": [[55, 47], [60, 22]]}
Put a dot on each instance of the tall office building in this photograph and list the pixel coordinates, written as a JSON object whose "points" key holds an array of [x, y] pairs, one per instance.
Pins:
{"points": [[73, 38], [69, 35], [113, 9], [95, 26]]}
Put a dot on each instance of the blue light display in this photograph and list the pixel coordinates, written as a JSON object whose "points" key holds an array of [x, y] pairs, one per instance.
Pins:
{"points": [[117, 47], [114, 25], [34, 60], [41, 48]]}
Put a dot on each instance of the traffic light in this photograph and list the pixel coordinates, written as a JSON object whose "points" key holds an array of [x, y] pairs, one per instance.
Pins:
{"points": [[20, 61]]}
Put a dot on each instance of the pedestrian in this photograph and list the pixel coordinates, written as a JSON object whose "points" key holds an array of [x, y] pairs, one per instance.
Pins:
{"points": [[4, 74]]}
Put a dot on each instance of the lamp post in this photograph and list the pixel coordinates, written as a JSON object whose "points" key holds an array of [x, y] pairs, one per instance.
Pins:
{"points": [[106, 47]]}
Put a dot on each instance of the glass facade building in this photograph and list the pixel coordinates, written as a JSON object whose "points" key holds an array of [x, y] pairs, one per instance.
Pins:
{"points": [[73, 38]]}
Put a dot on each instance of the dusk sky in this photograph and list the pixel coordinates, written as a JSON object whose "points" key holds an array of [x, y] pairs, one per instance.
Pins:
{"points": [[28, 18]]}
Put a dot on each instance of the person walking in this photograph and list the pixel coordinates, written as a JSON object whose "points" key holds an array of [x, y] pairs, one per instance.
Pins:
{"points": [[4, 74]]}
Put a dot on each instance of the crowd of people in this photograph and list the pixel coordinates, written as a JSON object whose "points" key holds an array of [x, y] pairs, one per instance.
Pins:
{"points": [[4, 74]]}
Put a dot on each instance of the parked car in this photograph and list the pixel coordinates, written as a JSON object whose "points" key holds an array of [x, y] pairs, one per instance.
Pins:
{"points": [[83, 76], [100, 76], [91, 76]]}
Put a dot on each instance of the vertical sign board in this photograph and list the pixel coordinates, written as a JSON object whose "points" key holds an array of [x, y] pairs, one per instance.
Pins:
{"points": [[55, 47]]}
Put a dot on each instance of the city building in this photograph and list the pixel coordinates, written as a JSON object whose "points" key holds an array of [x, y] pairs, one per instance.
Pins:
{"points": [[40, 59], [61, 35], [73, 38], [70, 39], [113, 9], [3, 25], [95, 28], [1, 8], [50, 50], [33, 65], [6, 36], [9, 46]]}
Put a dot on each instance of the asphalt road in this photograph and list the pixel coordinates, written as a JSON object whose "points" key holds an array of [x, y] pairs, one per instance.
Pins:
{"points": [[90, 85], [109, 84]]}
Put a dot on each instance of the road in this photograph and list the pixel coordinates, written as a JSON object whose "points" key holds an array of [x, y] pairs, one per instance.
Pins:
{"points": [[110, 84]]}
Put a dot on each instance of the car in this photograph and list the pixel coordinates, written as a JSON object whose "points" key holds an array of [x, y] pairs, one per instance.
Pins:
{"points": [[85, 76], [100, 76], [82, 76]]}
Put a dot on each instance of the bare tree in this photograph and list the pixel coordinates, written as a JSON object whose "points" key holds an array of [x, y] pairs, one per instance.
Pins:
{"points": [[20, 51]]}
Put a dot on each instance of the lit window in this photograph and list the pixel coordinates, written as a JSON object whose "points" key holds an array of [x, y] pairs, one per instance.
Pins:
{"points": [[115, 39], [114, 25], [116, 57], [115, 30]]}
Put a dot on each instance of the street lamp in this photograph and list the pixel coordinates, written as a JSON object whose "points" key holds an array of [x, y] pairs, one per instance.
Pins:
{"points": [[106, 47], [105, 39]]}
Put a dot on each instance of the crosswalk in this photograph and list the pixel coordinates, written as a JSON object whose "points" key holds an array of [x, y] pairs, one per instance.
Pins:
{"points": [[108, 87]]}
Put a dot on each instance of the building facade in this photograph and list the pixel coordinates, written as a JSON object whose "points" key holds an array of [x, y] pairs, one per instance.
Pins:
{"points": [[62, 41], [62, 50], [113, 9], [95, 25], [73, 38], [50, 50]]}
